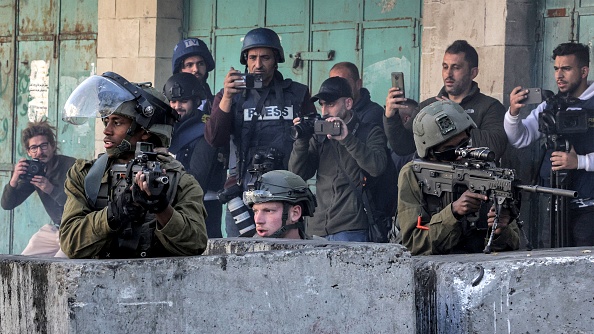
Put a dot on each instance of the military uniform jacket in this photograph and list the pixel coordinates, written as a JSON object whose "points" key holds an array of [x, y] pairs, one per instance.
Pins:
{"points": [[85, 233], [445, 231]]}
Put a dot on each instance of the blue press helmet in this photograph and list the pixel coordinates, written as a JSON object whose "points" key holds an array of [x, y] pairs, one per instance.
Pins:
{"points": [[191, 47], [262, 38]]}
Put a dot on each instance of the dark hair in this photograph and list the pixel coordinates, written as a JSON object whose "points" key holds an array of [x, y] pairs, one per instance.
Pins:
{"points": [[350, 67], [462, 46], [581, 52], [39, 128]]}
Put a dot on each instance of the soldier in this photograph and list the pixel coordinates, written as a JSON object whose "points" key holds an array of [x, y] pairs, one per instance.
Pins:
{"points": [[279, 201], [112, 212]]}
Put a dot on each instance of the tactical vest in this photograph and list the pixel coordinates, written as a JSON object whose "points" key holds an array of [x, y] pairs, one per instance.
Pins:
{"points": [[135, 239], [257, 130], [583, 143]]}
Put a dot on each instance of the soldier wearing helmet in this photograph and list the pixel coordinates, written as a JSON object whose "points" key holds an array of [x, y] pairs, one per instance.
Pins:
{"points": [[259, 118], [279, 201], [184, 92], [111, 210], [192, 56], [439, 129]]}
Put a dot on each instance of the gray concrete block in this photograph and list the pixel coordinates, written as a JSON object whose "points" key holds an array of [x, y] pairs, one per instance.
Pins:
{"points": [[308, 287], [547, 291]]}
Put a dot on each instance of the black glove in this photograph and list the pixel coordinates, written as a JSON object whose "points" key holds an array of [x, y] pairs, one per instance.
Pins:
{"points": [[152, 203], [122, 210]]}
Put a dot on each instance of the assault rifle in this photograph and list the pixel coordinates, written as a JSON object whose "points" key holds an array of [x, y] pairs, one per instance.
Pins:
{"points": [[122, 176], [479, 174]]}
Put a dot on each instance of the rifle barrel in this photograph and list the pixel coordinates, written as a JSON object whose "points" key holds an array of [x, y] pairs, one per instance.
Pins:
{"points": [[547, 190]]}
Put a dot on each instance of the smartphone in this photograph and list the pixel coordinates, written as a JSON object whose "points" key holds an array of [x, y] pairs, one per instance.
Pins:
{"points": [[534, 96], [251, 81], [398, 81], [321, 127]]}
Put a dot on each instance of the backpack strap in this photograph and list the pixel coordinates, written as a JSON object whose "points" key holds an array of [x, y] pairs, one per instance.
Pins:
{"points": [[93, 179]]}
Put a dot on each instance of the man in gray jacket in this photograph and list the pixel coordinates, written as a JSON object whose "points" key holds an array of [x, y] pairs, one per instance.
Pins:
{"points": [[339, 161]]}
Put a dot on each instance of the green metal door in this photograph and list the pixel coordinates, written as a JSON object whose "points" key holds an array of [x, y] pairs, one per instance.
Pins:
{"points": [[47, 48], [378, 36]]}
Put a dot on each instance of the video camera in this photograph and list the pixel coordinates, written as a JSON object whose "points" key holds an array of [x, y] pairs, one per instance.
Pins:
{"points": [[557, 119], [264, 162], [35, 167], [314, 124]]}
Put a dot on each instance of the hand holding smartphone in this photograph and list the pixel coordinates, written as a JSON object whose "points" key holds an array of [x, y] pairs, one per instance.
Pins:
{"points": [[534, 96], [398, 81]]}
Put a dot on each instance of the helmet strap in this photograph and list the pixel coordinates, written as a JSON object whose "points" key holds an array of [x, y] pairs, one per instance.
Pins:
{"points": [[125, 146], [281, 232]]}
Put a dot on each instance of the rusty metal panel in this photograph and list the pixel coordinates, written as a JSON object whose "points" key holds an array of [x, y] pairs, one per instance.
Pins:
{"points": [[75, 17], [6, 134], [37, 17], [7, 13]]}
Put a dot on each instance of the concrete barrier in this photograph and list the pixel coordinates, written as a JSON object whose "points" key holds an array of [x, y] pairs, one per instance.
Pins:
{"points": [[239, 286], [545, 291]]}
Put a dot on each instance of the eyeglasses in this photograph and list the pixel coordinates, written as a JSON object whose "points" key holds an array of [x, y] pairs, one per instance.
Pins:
{"points": [[449, 153], [34, 148]]}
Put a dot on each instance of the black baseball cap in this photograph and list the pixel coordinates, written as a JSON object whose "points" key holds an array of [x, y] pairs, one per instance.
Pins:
{"points": [[333, 89]]}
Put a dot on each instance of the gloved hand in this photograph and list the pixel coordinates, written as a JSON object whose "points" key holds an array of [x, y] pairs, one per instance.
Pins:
{"points": [[122, 209], [151, 203]]}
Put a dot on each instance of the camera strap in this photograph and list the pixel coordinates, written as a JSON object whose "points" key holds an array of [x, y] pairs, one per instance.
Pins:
{"points": [[93, 178]]}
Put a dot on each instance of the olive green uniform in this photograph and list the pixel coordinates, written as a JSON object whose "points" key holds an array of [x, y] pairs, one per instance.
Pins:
{"points": [[445, 233], [85, 233]]}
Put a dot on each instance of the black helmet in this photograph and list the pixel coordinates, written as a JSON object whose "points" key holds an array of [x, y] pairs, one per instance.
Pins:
{"points": [[110, 93], [262, 38], [184, 86], [191, 47]]}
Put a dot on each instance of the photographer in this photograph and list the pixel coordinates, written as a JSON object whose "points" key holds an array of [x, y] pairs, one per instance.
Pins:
{"points": [[340, 215], [258, 111], [571, 74], [45, 175], [279, 200], [112, 211], [438, 224], [192, 56]]}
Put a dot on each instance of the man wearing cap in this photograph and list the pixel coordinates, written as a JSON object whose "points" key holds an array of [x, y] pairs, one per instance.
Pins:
{"points": [[338, 161], [192, 56], [259, 118]]}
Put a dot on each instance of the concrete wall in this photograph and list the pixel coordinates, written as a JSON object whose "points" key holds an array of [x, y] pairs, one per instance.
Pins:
{"points": [[300, 288], [275, 286]]}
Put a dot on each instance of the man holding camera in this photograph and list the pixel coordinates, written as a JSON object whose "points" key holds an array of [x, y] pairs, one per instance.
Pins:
{"points": [[132, 201], [44, 174], [257, 109], [439, 224], [338, 157], [279, 200], [571, 74]]}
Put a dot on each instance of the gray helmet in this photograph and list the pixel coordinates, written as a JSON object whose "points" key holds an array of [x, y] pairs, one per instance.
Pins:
{"points": [[262, 38], [282, 186], [438, 122], [184, 86]]}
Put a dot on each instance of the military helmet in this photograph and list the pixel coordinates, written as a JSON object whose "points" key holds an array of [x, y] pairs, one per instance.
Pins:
{"points": [[262, 38], [184, 86], [110, 93], [282, 186], [438, 122], [191, 47]]}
